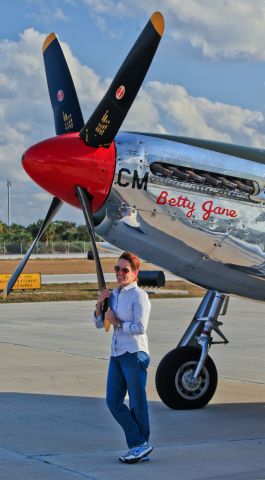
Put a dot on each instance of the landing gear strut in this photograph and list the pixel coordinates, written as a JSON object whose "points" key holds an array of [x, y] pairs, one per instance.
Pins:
{"points": [[186, 377]]}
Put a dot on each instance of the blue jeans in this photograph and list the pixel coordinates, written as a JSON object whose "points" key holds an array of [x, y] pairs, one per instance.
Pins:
{"points": [[128, 372]]}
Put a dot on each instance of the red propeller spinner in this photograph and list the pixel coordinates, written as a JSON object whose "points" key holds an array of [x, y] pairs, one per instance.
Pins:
{"points": [[61, 163]]}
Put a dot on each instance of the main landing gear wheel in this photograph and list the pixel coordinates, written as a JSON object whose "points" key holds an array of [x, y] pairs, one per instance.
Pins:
{"points": [[174, 382]]}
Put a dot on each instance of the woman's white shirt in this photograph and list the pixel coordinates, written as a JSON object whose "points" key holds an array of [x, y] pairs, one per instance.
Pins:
{"points": [[132, 306]]}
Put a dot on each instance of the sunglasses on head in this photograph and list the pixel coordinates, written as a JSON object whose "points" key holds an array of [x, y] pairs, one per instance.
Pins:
{"points": [[124, 269]]}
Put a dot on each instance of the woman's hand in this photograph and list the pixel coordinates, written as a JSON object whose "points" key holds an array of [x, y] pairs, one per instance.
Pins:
{"points": [[101, 299], [109, 315]]}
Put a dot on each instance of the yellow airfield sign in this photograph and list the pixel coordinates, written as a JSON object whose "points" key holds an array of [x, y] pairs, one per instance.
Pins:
{"points": [[25, 281]]}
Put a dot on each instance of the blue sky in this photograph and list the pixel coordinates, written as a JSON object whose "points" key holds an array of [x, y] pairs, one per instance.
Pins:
{"points": [[207, 79]]}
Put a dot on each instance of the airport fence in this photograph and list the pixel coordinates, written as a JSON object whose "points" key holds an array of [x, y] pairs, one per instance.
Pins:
{"points": [[63, 247]]}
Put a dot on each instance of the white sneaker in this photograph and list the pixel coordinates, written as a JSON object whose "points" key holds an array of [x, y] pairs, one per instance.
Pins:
{"points": [[136, 454]]}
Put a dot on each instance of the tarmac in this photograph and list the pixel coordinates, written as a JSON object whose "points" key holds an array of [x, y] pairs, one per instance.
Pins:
{"points": [[90, 278], [55, 424]]}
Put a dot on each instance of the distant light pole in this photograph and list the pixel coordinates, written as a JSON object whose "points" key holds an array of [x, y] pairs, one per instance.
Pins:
{"points": [[8, 184]]}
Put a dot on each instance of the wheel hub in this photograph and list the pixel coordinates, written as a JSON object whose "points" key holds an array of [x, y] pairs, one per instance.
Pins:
{"points": [[189, 383], [188, 387]]}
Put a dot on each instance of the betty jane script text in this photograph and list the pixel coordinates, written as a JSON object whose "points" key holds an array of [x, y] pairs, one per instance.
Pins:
{"points": [[208, 207]]}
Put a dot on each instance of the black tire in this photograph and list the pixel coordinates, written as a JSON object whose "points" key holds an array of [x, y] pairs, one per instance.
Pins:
{"points": [[172, 385], [90, 255]]}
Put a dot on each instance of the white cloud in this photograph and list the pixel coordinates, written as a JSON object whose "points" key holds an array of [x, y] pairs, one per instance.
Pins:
{"points": [[26, 116], [45, 15], [144, 115], [59, 14], [216, 29], [111, 7], [184, 114]]}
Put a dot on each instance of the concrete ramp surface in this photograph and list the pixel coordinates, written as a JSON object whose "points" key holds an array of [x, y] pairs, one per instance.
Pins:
{"points": [[54, 421]]}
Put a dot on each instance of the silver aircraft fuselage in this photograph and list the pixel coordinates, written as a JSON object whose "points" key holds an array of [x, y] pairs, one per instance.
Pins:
{"points": [[209, 234]]}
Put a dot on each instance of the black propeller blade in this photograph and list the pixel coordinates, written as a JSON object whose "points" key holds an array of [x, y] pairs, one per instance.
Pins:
{"points": [[85, 204], [66, 109], [106, 120], [54, 207]]}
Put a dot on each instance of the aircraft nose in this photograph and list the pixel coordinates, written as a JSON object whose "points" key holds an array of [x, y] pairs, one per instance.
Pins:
{"points": [[61, 163]]}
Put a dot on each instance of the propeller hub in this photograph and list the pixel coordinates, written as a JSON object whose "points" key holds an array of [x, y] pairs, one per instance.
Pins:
{"points": [[61, 163]]}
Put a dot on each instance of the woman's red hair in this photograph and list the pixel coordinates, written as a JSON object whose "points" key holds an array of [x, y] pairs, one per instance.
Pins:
{"points": [[133, 260]]}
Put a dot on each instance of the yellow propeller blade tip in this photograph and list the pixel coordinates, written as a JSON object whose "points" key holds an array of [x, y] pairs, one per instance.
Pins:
{"points": [[48, 40], [106, 325], [158, 22]]}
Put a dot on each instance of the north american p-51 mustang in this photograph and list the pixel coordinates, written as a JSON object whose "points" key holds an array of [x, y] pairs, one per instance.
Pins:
{"points": [[191, 206]]}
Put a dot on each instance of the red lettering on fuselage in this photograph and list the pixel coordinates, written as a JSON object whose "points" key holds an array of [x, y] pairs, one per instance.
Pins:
{"points": [[184, 202], [209, 208], [181, 202]]}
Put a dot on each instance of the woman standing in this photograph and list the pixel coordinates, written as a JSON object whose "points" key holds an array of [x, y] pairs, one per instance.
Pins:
{"points": [[128, 313]]}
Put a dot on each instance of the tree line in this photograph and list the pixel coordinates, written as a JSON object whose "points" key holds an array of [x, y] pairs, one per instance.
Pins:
{"points": [[58, 231]]}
